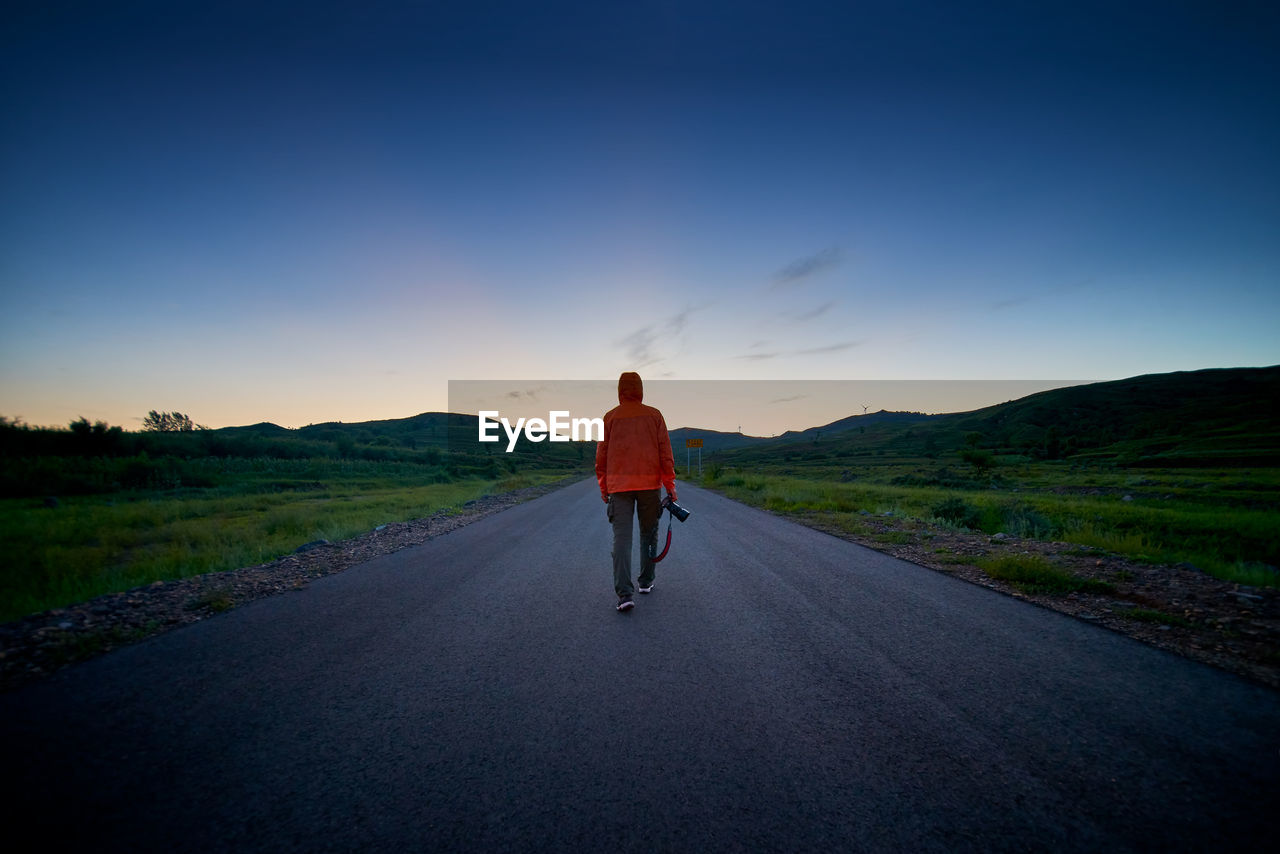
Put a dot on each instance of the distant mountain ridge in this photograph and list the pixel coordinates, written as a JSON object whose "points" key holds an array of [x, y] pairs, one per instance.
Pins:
{"points": [[1181, 418], [1221, 416], [429, 428], [717, 440]]}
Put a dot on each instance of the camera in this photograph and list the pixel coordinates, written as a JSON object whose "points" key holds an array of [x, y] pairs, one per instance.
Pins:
{"points": [[676, 510]]}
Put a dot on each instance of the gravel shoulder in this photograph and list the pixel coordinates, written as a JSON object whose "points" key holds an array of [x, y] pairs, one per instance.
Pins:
{"points": [[41, 644], [1230, 626]]}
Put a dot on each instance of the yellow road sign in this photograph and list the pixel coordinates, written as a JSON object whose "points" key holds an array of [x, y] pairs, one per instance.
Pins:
{"points": [[693, 443]]}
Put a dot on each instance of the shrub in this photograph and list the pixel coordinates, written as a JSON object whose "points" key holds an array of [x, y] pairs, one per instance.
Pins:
{"points": [[1022, 521], [982, 461], [957, 512]]}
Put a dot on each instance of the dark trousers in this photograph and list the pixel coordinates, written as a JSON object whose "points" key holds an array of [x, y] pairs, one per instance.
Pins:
{"points": [[623, 507]]}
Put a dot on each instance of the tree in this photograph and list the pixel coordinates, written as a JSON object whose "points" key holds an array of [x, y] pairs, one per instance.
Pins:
{"points": [[95, 438], [982, 461], [1052, 443], [169, 422]]}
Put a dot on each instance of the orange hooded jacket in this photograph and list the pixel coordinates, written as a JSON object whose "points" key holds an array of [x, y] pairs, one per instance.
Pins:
{"points": [[636, 451]]}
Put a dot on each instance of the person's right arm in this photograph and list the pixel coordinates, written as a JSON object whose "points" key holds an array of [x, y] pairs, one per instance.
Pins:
{"points": [[666, 463]]}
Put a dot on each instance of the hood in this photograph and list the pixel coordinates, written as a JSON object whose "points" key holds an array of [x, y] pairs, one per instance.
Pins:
{"points": [[630, 387]]}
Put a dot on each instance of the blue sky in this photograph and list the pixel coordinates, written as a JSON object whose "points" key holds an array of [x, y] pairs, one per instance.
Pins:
{"points": [[310, 212]]}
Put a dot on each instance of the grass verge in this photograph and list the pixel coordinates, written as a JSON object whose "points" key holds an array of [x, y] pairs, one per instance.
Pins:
{"points": [[1034, 574], [91, 545], [1150, 615], [1219, 524]]}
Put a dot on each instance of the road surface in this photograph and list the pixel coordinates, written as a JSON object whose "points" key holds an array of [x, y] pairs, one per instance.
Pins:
{"points": [[780, 690]]}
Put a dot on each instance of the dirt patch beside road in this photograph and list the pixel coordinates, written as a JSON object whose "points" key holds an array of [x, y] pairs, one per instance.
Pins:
{"points": [[1176, 608]]}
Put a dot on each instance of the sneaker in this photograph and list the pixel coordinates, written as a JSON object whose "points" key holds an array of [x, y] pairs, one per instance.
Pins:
{"points": [[648, 589], [625, 603]]}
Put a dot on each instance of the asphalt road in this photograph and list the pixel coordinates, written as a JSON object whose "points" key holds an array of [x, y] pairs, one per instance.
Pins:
{"points": [[780, 690]]}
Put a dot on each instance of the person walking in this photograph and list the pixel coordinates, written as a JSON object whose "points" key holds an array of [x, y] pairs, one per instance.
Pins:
{"points": [[632, 462]]}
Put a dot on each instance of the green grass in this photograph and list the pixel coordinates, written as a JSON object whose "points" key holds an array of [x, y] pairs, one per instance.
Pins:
{"points": [[1034, 574], [894, 538], [92, 545], [1225, 523], [1150, 615], [214, 600]]}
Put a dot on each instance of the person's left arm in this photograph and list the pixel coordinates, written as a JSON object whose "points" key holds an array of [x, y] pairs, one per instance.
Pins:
{"points": [[602, 462]]}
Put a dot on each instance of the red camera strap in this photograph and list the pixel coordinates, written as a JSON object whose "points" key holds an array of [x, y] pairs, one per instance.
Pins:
{"points": [[667, 547]]}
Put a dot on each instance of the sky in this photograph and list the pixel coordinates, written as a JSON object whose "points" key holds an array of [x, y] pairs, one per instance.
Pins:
{"points": [[312, 212]]}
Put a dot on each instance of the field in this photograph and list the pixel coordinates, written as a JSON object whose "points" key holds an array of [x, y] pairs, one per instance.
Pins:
{"points": [[1176, 469], [88, 545], [1223, 522], [1182, 557], [1171, 469]]}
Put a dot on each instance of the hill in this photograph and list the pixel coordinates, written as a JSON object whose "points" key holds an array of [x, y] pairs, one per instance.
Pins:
{"points": [[856, 422], [1218, 417], [1209, 417], [714, 440], [430, 432]]}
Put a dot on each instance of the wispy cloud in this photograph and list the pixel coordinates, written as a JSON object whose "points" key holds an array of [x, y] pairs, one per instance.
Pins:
{"points": [[788, 399], [676, 323], [640, 346], [1012, 302], [813, 313], [807, 351], [526, 394], [803, 268], [1023, 299], [830, 348], [646, 345]]}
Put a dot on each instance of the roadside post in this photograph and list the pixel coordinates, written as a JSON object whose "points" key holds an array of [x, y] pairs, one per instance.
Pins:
{"points": [[692, 443]]}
